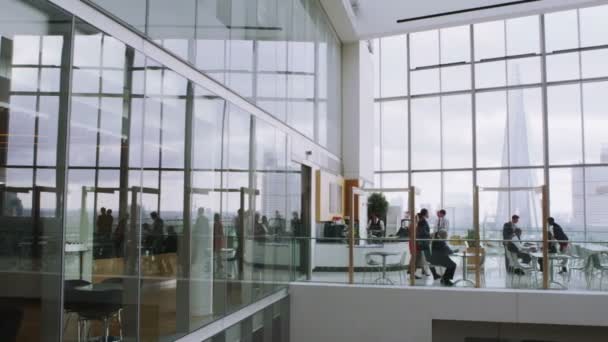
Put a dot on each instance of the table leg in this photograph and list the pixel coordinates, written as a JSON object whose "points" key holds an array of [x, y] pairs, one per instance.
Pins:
{"points": [[464, 272], [384, 267], [81, 257], [464, 267]]}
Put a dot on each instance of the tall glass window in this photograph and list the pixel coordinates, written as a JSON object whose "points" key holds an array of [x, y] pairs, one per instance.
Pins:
{"points": [[508, 103]]}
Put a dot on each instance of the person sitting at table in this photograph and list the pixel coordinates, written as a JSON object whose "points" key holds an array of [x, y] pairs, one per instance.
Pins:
{"points": [[508, 231], [518, 250], [516, 246], [552, 250], [440, 256], [375, 226]]}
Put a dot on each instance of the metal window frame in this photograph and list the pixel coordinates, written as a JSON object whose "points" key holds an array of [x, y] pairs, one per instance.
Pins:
{"points": [[543, 85]]}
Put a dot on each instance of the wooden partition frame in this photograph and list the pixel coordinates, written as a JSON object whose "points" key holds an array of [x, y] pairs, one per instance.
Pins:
{"points": [[544, 226], [411, 191]]}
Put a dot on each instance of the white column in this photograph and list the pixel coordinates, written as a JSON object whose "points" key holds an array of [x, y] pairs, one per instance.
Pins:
{"points": [[358, 111]]}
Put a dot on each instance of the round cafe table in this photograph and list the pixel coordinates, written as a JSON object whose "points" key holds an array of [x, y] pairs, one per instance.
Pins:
{"points": [[383, 279], [464, 256]]}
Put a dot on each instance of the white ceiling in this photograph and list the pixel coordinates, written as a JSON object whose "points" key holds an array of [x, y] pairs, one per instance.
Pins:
{"points": [[377, 18]]}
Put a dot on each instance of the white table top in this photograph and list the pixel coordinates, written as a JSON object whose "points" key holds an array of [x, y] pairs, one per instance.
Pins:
{"points": [[380, 253], [75, 247], [594, 247], [464, 254], [100, 287], [538, 255]]}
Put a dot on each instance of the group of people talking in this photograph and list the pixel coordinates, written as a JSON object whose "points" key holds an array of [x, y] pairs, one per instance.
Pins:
{"points": [[432, 248], [511, 234]]}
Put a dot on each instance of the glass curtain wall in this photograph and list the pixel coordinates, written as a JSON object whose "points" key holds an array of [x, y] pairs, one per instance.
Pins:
{"points": [[35, 48], [282, 55], [468, 105], [133, 201]]}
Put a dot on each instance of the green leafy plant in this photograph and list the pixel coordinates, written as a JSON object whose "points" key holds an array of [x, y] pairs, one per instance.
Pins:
{"points": [[377, 204], [471, 238]]}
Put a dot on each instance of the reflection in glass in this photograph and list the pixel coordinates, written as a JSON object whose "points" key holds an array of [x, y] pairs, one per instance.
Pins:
{"points": [[34, 58]]}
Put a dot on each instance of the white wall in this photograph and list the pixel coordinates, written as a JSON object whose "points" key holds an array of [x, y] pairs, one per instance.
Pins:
{"points": [[333, 313]]}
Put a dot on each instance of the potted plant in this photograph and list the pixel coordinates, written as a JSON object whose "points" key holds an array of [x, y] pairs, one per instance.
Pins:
{"points": [[471, 238], [377, 204]]}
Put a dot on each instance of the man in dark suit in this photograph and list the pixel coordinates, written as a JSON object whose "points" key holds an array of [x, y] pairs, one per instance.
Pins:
{"points": [[562, 240], [508, 231], [558, 234], [441, 257]]}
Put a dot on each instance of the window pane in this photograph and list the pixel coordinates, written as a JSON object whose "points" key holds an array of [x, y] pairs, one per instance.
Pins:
{"points": [[561, 30], [455, 44], [523, 36], [21, 117], [83, 131], [491, 129], [301, 117], [564, 116], [594, 26], [525, 127], [26, 49], [426, 134], [490, 221], [48, 130], [425, 81], [377, 136], [429, 184], [490, 74], [595, 104], [523, 71], [456, 78], [563, 67], [596, 194], [527, 204], [394, 135], [489, 40], [457, 132], [394, 66], [272, 56], [394, 180], [567, 200], [458, 201], [424, 48], [594, 63]]}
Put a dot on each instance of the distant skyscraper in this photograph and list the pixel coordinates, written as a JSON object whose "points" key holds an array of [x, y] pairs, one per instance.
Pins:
{"points": [[590, 197], [526, 204]]}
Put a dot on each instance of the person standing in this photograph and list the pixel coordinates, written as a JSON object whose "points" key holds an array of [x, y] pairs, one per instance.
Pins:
{"points": [[158, 233], [423, 237], [442, 222], [119, 236], [561, 238], [375, 226]]}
